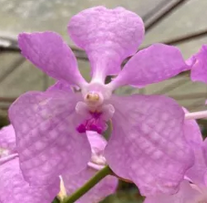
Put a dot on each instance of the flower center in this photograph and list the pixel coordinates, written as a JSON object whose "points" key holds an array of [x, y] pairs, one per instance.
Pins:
{"points": [[95, 115], [94, 110], [94, 123]]}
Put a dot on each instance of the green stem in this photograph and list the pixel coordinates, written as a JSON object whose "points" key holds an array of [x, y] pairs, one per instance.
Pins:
{"points": [[88, 185], [56, 200]]}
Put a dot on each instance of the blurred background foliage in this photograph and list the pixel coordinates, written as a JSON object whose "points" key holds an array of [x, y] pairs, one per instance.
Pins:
{"points": [[126, 193]]}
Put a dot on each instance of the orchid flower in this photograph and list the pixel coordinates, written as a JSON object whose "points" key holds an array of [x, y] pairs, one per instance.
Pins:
{"points": [[105, 187], [193, 188], [147, 145], [13, 187]]}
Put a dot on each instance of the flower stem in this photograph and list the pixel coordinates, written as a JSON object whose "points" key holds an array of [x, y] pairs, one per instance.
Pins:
{"points": [[88, 185]]}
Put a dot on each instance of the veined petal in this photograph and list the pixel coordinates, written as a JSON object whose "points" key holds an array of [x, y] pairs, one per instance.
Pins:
{"points": [[153, 64], [186, 194], [199, 69], [108, 36], [147, 144], [47, 140], [49, 53], [14, 189], [104, 188], [7, 141], [193, 136]]}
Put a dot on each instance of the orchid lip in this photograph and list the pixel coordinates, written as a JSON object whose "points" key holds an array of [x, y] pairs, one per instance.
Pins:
{"points": [[95, 117], [94, 123]]}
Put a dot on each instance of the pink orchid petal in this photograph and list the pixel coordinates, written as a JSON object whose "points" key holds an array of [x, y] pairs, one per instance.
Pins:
{"points": [[147, 144], [194, 138], [49, 53], [7, 141], [107, 35], [205, 181], [104, 188], [190, 62], [60, 85], [205, 150], [186, 194], [47, 140], [14, 189], [153, 64], [199, 69]]}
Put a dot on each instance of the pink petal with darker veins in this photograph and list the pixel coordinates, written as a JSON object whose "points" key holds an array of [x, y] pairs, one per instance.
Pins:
{"points": [[108, 36], [49, 53], [14, 189], [186, 194], [153, 64], [47, 141], [147, 144]]}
